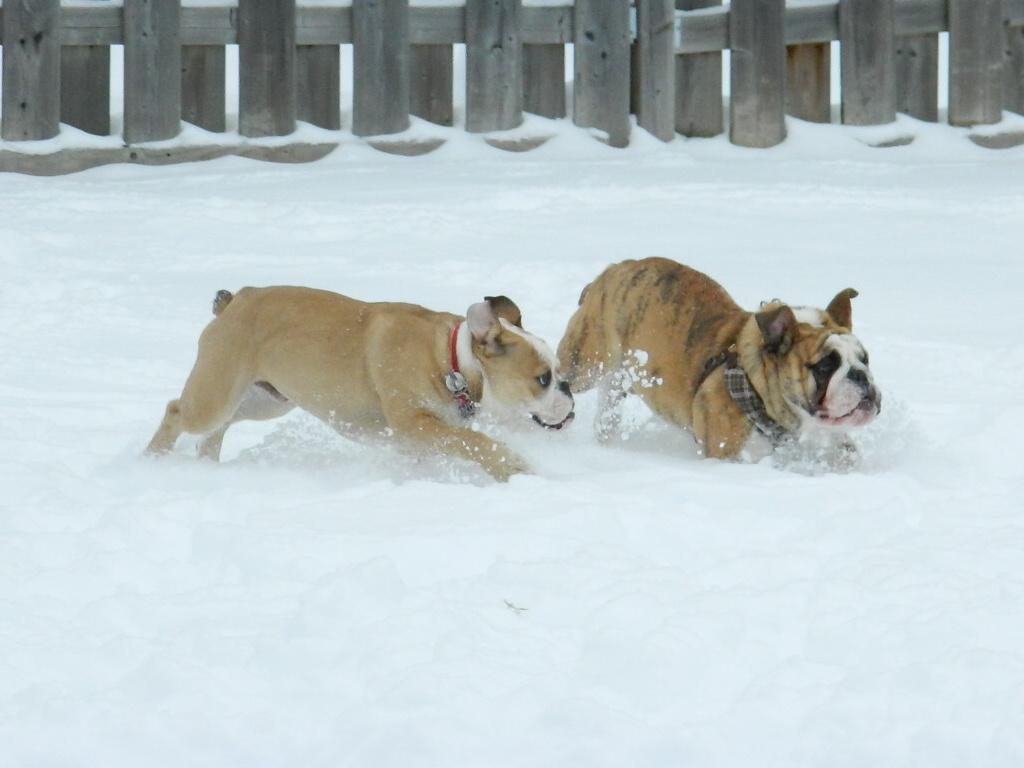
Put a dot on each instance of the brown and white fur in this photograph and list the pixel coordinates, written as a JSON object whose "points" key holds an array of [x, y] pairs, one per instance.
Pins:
{"points": [[367, 369], [663, 331]]}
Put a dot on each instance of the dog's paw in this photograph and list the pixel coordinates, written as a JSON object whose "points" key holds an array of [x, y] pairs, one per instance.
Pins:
{"points": [[506, 466], [845, 457]]}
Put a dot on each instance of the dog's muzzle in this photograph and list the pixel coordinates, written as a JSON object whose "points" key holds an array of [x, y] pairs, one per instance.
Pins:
{"points": [[563, 387], [862, 414]]}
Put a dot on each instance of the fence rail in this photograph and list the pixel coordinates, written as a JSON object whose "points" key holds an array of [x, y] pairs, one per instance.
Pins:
{"points": [[659, 60]]}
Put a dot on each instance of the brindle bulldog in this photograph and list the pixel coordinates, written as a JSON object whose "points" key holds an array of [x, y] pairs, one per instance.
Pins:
{"points": [[744, 383]]}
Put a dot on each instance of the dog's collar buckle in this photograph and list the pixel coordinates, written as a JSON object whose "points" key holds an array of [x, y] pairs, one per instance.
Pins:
{"points": [[457, 383]]}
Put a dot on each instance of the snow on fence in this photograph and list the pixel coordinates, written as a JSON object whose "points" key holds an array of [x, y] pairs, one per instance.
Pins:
{"points": [[659, 60]]}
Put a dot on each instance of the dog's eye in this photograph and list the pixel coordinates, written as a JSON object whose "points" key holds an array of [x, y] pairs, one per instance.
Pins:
{"points": [[824, 368], [864, 358], [544, 379]]}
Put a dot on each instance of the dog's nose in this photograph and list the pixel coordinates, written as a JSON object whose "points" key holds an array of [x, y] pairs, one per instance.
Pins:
{"points": [[860, 378]]}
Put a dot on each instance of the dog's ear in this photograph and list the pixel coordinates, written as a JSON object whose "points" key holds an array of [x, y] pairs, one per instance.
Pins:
{"points": [[839, 308], [485, 327], [777, 325], [505, 308]]}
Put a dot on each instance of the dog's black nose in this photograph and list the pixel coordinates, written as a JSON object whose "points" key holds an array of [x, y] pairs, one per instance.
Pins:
{"points": [[860, 378]]}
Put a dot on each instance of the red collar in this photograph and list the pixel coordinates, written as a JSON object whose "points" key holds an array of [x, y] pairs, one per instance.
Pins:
{"points": [[455, 354]]}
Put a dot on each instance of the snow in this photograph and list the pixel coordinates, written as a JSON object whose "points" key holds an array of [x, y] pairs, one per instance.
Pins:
{"points": [[310, 602]]}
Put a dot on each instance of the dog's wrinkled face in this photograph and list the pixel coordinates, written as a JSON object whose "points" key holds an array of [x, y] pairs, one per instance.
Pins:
{"points": [[520, 370], [844, 391], [821, 367]]}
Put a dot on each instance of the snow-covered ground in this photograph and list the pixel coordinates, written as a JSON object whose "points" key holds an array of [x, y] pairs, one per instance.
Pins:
{"points": [[310, 602]]}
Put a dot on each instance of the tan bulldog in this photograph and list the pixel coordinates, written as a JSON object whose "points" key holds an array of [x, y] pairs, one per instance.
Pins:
{"points": [[744, 383], [368, 370]]}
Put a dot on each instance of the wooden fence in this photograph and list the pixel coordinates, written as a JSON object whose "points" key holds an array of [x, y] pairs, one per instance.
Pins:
{"points": [[659, 60]]}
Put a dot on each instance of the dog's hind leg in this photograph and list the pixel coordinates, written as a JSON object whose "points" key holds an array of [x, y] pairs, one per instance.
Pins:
{"points": [[186, 414], [208, 401], [261, 402]]}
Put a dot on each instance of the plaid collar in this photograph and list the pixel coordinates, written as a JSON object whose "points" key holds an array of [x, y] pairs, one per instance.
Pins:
{"points": [[745, 396]]}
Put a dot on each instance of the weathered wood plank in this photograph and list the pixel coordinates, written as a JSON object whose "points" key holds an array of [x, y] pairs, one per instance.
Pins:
{"points": [[380, 67], [203, 69], [702, 31], [209, 25], [976, 45], [698, 86], [446, 24], [92, 24], [809, 82], [101, 24], [494, 65], [1013, 70], [318, 87], [432, 72], [549, 25], [544, 79], [867, 33], [152, 70], [323, 24], [917, 76], [601, 68], [85, 88], [31, 70], [708, 30], [758, 73], [806, 24], [267, 68], [921, 17], [699, 100], [654, 77]]}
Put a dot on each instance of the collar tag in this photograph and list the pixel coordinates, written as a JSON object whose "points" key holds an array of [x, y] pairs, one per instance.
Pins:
{"points": [[457, 385]]}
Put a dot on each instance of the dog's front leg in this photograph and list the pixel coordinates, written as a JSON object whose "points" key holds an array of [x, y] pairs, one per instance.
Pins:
{"points": [[720, 428], [423, 430], [611, 399]]}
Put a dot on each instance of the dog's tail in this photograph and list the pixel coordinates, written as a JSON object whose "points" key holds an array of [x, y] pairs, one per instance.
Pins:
{"points": [[221, 300]]}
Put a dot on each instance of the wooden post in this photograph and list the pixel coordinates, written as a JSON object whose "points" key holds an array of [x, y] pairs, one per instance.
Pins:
{"points": [[31, 70], [699, 86], [917, 76], [85, 87], [380, 67], [809, 82], [267, 69], [1013, 70], [494, 65], [432, 69], [202, 86], [758, 76], [867, 61], [318, 85], [655, 72], [975, 62], [152, 70], [601, 68], [544, 79]]}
